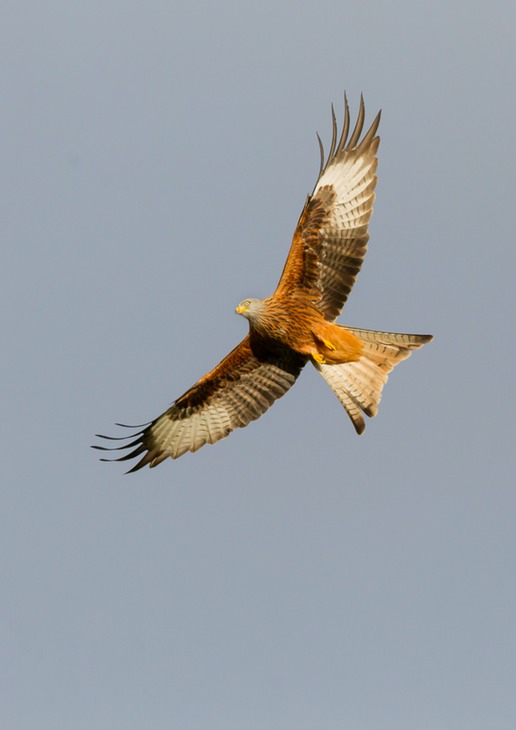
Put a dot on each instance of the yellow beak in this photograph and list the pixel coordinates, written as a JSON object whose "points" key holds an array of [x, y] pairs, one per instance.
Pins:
{"points": [[240, 309]]}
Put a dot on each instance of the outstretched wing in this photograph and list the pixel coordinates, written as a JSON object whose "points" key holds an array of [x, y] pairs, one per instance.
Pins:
{"points": [[237, 391], [331, 237]]}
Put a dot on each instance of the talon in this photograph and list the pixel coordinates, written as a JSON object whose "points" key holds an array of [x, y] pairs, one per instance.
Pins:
{"points": [[318, 357]]}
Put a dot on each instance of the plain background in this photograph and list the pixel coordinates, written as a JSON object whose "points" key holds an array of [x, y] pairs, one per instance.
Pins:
{"points": [[155, 159]]}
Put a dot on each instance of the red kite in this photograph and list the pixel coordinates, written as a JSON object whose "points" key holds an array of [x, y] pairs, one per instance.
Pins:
{"points": [[297, 323]]}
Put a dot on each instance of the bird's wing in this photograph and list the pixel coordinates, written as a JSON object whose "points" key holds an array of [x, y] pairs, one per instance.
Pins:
{"points": [[331, 237], [237, 391]]}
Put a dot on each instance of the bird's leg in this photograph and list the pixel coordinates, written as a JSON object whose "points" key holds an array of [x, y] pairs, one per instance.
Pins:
{"points": [[323, 346], [318, 357], [329, 345]]}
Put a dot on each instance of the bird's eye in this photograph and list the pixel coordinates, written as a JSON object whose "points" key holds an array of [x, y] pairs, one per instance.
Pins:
{"points": [[247, 303]]}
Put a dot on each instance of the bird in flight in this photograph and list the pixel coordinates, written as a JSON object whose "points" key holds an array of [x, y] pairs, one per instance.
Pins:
{"points": [[297, 323]]}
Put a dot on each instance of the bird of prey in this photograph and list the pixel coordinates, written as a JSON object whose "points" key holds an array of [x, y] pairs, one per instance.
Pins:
{"points": [[297, 323]]}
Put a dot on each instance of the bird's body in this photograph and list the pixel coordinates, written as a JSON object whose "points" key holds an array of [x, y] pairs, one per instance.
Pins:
{"points": [[297, 323]]}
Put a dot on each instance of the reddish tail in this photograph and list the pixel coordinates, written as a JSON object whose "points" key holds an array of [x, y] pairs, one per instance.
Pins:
{"points": [[359, 384]]}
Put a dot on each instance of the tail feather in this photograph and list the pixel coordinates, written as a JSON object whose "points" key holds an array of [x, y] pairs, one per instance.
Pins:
{"points": [[412, 342], [359, 384]]}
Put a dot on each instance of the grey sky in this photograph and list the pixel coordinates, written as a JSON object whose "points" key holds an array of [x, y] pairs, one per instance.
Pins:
{"points": [[155, 159]]}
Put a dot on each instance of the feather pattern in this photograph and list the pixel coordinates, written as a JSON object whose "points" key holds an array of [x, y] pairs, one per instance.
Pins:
{"points": [[359, 384], [331, 237], [239, 390]]}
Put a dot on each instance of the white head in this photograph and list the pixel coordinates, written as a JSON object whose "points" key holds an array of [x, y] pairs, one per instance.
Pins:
{"points": [[251, 309]]}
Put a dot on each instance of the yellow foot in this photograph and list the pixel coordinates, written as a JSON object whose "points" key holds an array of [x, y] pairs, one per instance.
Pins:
{"points": [[329, 345], [318, 357]]}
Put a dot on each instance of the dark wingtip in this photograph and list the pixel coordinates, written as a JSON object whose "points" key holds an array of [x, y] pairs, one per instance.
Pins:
{"points": [[134, 440], [321, 150], [357, 131], [354, 140]]}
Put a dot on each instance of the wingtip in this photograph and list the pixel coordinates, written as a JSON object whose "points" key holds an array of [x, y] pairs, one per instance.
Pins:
{"points": [[321, 152]]}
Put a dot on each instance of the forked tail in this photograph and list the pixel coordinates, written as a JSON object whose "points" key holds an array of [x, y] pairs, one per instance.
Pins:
{"points": [[358, 385]]}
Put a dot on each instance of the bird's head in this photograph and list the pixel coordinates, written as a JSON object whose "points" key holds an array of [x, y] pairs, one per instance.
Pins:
{"points": [[251, 309]]}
